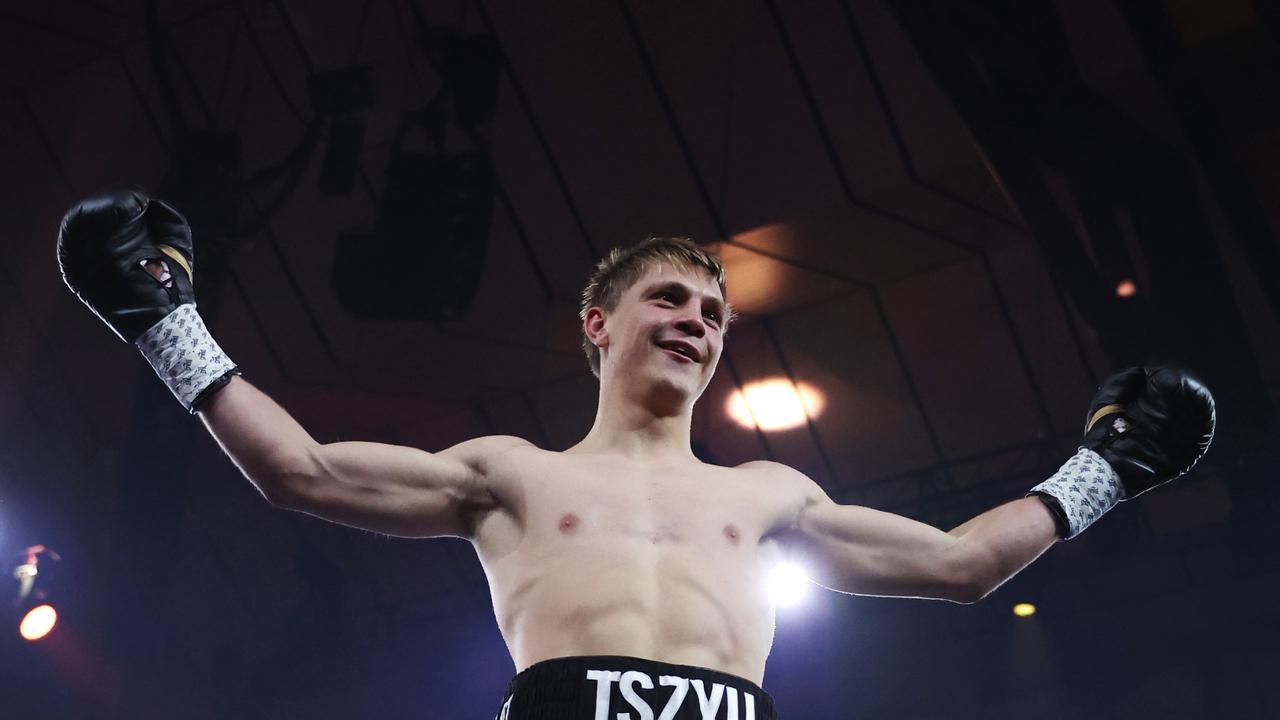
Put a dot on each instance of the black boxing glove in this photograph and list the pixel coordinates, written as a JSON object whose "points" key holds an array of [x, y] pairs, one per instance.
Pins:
{"points": [[104, 245], [1151, 425], [1145, 427]]}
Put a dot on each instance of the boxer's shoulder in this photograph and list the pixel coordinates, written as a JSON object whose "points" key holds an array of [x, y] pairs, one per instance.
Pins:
{"points": [[785, 490], [486, 447], [784, 478]]}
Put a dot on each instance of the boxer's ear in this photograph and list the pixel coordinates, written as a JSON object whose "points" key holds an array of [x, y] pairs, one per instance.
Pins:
{"points": [[593, 326]]}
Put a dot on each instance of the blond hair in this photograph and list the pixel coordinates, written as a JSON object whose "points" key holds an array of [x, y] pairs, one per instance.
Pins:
{"points": [[622, 267]]}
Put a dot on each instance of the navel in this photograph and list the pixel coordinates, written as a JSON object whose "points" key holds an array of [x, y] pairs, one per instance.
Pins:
{"points": [[732, 534], [568, 523]]}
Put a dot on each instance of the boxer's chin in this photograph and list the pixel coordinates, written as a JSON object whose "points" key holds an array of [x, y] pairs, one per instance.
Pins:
{"points": [[670, 389]]}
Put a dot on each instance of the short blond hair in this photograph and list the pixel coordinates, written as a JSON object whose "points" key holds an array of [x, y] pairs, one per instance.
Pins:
{"points": [[622, 267]]}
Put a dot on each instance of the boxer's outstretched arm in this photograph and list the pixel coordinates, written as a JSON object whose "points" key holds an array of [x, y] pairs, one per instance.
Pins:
{"points": [[384, 488], [868, 552]]}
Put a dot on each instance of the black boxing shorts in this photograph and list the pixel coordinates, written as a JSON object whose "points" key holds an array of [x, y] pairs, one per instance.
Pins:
{"points": [[625, 688]]}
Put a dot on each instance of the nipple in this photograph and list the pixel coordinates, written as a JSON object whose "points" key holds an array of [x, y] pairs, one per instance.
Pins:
{"points": [[568, 523], [731, 533]]}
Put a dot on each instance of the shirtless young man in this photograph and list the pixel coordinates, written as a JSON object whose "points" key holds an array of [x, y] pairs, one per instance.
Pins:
{"points": [[627, 576]]}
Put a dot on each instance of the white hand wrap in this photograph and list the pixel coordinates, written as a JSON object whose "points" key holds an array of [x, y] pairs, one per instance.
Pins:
{"points": [[1085, 487], [184, 355]]}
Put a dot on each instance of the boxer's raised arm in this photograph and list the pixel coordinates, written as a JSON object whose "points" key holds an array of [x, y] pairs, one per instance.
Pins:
{"points": [[863, 551], [384, 488], [131, 260]]}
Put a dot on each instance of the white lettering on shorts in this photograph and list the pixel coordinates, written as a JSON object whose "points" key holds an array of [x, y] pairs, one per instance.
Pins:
{"points": [[604, 682], [709, 704], [674, 702], [629, 679]]}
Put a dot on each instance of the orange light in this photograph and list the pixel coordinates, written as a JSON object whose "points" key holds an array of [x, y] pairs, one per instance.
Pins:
{"points": [[1126, 288], [775, 404], [38, 622], [1024, 609]]}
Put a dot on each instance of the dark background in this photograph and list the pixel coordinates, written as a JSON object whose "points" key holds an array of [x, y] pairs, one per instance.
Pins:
{"points": [[924, 209]]}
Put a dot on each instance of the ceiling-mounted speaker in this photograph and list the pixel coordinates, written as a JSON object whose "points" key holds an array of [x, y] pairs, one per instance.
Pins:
{"points": [[342, 91], [342, 95], [424, 258], [341, 156]]}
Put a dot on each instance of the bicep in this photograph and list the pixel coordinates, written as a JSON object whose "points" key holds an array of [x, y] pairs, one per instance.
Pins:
{"points": [[863, 551], [393, 489]]}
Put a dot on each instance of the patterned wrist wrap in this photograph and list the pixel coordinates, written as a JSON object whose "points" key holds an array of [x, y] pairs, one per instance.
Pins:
{"points": [[184, 355], [1085, 488]]}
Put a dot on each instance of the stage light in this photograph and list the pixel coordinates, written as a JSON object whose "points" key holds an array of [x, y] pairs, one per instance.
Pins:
{"points": [[1126, 288], [775, 404], [788, 585], [36, 617], [1024, 609], [38, 622]]}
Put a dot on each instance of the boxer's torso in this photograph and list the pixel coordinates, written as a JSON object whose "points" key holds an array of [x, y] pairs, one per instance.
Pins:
{"points": [[593, 554]]}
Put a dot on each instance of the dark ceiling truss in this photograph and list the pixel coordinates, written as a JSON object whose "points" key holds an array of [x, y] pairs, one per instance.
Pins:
{"points": [[523, 98], [766, 325], [651, 72], [76, 39], [255, 318], [46, 144], [899, 142], [272, 243], [686, 150], [736, 377], [989, 475], [233, 44], [42, 339], [44, 346], [481, 145], [1077, 343], [562, 183], [103, 48], [815, 112], [358, 46], [568, 196], [690, 161], [164, 140], [1209, 143], [673, 122], [256, 41], [156, 128], [103, 8]]}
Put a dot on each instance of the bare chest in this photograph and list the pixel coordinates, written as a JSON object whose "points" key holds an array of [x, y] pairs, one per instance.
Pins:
{"points": [[576, 500], [703, 506]]}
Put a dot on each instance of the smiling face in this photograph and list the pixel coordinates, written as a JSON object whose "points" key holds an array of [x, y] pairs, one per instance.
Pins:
{"points": [[664, 338]]}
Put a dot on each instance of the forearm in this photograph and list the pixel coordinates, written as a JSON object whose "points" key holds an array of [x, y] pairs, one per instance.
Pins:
{"points": [[999, 543], [259, 436]]}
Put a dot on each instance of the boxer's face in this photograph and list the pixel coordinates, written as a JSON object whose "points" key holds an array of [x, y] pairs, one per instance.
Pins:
{"points": [[666, 334]]}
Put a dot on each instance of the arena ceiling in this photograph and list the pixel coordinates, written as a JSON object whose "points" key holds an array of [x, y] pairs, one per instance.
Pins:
{"points": [[872, 251]]}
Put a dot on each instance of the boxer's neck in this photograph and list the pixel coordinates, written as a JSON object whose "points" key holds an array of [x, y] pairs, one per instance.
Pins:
{"points": [[639, 426]]}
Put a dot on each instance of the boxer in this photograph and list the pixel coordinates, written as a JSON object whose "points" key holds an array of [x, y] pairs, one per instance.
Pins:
{"points": [[628, 578]]}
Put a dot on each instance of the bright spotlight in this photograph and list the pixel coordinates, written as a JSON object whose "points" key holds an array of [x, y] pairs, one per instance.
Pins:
{"points": [[32, 602], [1126, 288], [775, 404], [788, 585], [1024, 609], [38, 622]]}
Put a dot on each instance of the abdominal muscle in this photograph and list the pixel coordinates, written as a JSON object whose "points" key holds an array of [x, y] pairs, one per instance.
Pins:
{"points": [[603, 591]]}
